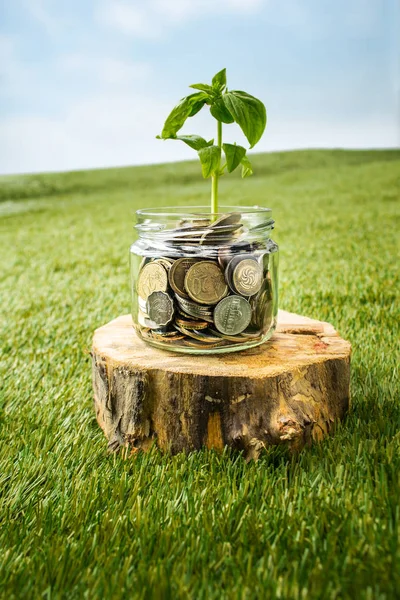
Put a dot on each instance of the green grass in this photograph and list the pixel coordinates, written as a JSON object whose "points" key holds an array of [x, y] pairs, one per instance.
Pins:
{"points": [[78, 523]]}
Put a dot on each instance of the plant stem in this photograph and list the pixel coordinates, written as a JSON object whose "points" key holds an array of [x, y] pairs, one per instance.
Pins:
{"points": [[214, 178]]}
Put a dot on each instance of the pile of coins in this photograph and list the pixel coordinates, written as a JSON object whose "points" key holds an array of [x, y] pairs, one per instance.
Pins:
{"points": [[211, 288]]}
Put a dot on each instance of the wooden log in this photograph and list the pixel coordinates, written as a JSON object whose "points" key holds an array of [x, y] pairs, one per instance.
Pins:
{"points": [[290, 390]]}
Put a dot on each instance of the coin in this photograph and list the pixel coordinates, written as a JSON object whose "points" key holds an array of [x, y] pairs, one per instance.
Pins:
{"points": [[205, 282], [197, 222], [219, 235], [199, 335], [247, 277], [201, 309], [233, 264], [232, 315], [240, 337], [187, 235], [152, 278], [194, 310], [191, 323], [160, 308], [168, 336], [228, 219], [200, 345], [177, 274], [224, 255], [165, 262], [263, 307]]}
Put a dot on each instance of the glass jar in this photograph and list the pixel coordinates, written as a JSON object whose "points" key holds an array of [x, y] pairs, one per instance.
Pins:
{"points": [[204, 283]]}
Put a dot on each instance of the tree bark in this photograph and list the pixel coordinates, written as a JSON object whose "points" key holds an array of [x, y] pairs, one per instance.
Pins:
{"points": [[290, 390]]}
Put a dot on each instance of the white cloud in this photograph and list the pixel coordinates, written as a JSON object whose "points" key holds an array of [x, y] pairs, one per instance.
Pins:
{"points": [[150, 19], [105, 69], [38, 9], [16, 76], [130, 19]]}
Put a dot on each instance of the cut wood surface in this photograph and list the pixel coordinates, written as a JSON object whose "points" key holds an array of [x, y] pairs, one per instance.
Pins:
{"points": [[291, 389]]}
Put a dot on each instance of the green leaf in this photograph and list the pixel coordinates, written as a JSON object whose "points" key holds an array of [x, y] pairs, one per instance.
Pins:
{"points": [[210, 158], [247, 169], [248, 112], [194, 141], [234, 155], [187, 107], [196, 106], [202, 86], [219, 80], [220, 112]]}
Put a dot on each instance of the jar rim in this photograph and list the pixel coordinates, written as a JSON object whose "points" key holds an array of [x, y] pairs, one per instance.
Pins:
{"points": [[200, 210]]}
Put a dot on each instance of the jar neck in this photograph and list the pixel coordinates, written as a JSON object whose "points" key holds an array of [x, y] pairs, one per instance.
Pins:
{"points": [[174, 225]]}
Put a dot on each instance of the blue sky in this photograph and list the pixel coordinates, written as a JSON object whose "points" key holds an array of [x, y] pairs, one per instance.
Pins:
{"points": [[88, 83]]}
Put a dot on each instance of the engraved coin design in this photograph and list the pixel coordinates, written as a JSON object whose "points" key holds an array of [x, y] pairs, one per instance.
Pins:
{"points": [[152, 278], [160, 308], [205, 283], [177, 275], [247, 277], [231, 266], [232, 315]]}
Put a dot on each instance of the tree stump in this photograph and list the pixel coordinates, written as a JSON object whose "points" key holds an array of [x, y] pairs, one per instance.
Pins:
{"points": [[290, 390]]}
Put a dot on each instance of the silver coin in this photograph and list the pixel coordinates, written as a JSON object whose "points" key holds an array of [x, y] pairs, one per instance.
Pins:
{"points": [[239, 338], [232, 315], [201, 308], [194, 310], [232, 265], [160, 308], [247, 277]]}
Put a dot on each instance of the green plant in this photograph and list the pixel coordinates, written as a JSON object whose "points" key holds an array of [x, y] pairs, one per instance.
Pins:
{"points": [[226, 107]]}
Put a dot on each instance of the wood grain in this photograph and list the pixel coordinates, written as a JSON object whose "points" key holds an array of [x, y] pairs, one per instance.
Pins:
{"points": [[290, 390]]}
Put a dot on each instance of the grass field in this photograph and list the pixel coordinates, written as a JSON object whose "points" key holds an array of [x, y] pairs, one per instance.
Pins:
{"points": [[78, 523]]}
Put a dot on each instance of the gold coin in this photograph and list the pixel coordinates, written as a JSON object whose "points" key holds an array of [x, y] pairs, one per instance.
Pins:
{"points": [[165, 262], [247, 277], [228, 219], [177, 274], [199, 335], [168, 338], [152, 278], [205, 283], [191, 324]]}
